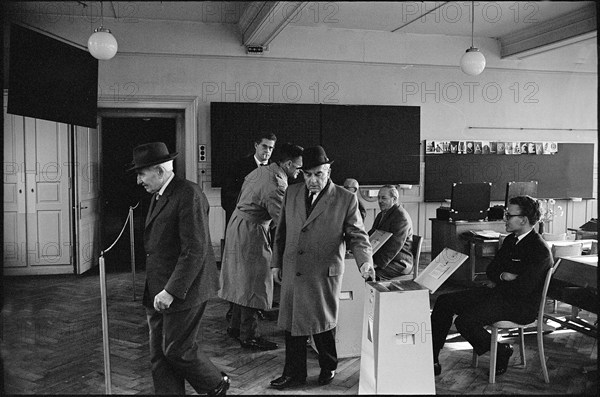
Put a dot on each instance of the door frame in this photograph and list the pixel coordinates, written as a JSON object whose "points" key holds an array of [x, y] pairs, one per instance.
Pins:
{"points": [[188, 103]]}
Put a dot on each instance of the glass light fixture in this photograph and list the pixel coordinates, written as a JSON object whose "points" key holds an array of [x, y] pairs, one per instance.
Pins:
{"points": [[102, 44], [472, 61]]}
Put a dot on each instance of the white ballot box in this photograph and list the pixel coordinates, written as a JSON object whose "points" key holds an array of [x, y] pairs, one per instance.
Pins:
{"points": [[352, 301], [348, 332], [396, 350]]}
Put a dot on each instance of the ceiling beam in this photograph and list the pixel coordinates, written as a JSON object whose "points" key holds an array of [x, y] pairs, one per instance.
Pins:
{"points": [[557, 32], [262, 21]]}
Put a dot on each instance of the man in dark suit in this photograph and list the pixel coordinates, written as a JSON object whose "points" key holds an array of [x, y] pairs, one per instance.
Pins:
{"points": [[512, 292], [232, 184], [395, 257], [181, 275], [317, 220]]}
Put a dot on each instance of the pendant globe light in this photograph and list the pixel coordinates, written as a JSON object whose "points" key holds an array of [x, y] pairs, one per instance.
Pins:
{"points": [[472, 61], [102, 44]]}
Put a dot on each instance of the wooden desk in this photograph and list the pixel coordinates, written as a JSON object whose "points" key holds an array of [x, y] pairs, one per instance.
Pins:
{"points": [[583, 234], [575, 282], [449, 234]]}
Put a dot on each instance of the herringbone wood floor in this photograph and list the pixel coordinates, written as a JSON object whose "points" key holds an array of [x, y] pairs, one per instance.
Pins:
{"points": [[52, 344]]}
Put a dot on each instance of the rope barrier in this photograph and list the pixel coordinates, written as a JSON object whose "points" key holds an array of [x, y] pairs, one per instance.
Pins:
{"points": [[103, 298]]}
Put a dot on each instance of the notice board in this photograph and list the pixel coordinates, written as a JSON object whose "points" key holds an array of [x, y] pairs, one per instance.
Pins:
{"points": [[567, 173]]}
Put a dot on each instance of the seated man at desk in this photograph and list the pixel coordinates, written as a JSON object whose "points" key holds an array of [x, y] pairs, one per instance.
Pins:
{"points": [[512, 292], [395, 257]]}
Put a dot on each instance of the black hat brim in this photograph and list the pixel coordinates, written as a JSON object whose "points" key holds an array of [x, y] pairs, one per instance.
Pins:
{"points": [[151, 163]]}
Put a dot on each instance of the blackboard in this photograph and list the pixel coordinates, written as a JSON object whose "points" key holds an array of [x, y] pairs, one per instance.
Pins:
{"points": [[567, 173], [233, 127], [372, 144]]}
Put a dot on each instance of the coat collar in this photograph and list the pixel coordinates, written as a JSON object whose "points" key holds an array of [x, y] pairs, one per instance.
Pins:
{"points": [[322, 204], [164, 199]]}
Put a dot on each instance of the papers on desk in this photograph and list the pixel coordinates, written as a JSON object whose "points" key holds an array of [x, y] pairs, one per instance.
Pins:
{"points": [[485, 233], [378, 238], [440, 269]]}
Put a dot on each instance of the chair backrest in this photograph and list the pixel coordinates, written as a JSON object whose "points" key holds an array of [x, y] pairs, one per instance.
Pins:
{"points": [[545, 293], [554, 237], [417, 244], [567, 249]]}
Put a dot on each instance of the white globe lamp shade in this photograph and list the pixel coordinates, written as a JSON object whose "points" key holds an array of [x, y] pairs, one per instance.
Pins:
{"points": [[472, 62], [102, 44]]}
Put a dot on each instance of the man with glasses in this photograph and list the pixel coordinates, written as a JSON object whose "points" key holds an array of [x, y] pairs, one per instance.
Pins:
{"points": [[512, 292], [352, 185], [246, 277]]}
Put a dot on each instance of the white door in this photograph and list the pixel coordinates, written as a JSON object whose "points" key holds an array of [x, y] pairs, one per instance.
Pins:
{"points": [[47, 194], [14, 192], [87, 187]]}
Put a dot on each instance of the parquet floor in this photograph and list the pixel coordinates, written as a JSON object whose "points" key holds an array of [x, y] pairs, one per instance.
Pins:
{"points": [[51, 343]]}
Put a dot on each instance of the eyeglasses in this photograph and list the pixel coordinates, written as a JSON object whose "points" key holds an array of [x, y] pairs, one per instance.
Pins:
{"points": [[508, 216]]}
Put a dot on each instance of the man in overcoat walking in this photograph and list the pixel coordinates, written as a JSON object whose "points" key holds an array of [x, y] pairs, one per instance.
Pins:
{"points": [[181, 275], [246, 278], [317, 221]]}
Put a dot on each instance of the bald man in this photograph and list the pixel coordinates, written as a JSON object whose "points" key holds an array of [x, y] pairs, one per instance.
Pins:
{"points": [[352, 185]]}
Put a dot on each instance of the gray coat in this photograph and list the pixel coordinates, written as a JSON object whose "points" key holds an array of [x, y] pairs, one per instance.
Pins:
{"points": [[310, 252], [246, 266]]}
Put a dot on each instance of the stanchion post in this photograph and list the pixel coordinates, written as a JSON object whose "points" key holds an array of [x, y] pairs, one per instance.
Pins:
{"points": [[105, 339], [132, 248]]}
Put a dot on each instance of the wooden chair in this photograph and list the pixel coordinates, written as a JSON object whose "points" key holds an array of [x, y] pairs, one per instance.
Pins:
{"points": [[417, 244], [538, 323]]}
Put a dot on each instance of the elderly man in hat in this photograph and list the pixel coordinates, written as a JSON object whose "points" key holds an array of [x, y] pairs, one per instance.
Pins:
{"points": [[317, 220], [181, 274]]}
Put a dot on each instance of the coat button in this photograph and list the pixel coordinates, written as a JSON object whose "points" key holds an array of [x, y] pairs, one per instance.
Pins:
{"points": [[147, 254], [300, 252], [298, 274]]}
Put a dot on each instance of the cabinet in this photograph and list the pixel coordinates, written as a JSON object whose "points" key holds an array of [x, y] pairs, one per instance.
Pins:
{"points": [[451, 234]]}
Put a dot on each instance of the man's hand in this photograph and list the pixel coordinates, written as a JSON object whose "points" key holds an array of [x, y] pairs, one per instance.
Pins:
{"points": [[488, 283], [276, 273], [367, 271], [162, 300], [506, 276]]}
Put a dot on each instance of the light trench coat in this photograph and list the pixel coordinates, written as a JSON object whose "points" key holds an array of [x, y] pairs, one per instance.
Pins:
{"points": [[246, 264], [310, 252]]}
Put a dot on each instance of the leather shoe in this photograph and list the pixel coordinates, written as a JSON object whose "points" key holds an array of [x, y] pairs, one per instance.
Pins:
{"points": [[258, 344], [222, 387], [233, 332], [504, 352], [437, 369], [326, 376], [284, 382]]}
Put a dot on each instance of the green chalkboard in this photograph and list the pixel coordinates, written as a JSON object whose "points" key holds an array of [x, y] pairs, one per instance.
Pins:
{"points": [[567, 173]]}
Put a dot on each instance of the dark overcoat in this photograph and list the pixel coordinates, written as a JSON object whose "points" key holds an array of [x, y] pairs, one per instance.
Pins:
{"points": [[179, 253]]}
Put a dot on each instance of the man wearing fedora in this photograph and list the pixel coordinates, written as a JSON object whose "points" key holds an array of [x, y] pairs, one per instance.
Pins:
{"points": [[181, 274], [318, 219]]}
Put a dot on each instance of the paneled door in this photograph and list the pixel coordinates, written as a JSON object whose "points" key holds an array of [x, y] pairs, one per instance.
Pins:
{"points": [[37, 232], [86, 170]]}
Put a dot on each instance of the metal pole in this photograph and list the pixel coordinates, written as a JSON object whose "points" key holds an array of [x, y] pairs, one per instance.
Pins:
{"points": [[132, 248], [105, 340]]}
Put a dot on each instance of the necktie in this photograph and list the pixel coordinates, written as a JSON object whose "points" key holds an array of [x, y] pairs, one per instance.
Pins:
{"points": [[312, 197], [153, 201]]}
